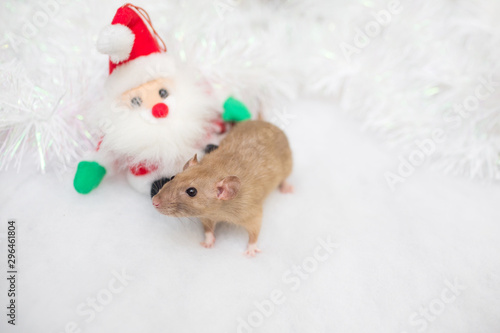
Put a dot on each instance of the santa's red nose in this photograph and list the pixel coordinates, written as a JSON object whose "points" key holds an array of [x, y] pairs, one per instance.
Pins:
{"points": [[160, 110]]}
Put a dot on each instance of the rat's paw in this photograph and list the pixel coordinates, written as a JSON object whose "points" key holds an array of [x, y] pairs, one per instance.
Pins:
{"points": [[209, 240], [252, 250], [207, 245], [286, 187]]}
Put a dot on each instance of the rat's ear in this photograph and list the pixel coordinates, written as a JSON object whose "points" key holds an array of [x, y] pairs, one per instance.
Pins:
{"points": [[228, 188], [191, 162]]}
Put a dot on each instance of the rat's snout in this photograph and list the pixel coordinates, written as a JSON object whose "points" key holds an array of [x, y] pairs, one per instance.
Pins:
{"points": [[156, 201]]}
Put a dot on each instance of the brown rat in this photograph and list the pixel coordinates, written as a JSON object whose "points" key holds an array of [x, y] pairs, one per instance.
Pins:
{"points": [[231, 183]]}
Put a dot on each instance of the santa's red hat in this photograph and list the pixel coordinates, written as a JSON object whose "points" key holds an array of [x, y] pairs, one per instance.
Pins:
{"points": [[136, 53]]}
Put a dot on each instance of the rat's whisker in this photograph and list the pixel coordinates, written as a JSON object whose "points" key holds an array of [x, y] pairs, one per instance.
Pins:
{"points": [[191, 219]]}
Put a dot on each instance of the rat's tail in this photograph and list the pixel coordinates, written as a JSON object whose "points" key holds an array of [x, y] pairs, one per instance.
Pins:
{"points": [[260, 113]]}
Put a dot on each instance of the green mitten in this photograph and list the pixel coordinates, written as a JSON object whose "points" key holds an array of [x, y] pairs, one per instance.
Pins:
{"points": [[88, 176], [235, 111]]}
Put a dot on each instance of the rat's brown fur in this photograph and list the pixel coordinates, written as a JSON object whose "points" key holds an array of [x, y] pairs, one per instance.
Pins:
{"points": [[253, 160]]}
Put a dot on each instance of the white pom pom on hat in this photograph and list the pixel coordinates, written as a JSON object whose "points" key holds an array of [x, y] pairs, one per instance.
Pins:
{"points": [[116, 41]]}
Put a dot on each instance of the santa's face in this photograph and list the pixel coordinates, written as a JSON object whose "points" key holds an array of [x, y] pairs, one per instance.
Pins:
{"points": [[153, 99], [161, 120]]}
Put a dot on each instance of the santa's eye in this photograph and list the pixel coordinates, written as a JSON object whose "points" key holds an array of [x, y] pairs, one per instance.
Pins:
{"points": [[136, 101], [191, 191], [163, 93]]}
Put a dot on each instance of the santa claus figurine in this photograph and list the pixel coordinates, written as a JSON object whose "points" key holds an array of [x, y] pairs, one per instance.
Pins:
{"points": [[157, 115]]}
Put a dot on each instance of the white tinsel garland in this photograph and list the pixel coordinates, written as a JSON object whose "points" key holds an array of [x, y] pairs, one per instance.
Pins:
{"points": [[402, 83]]}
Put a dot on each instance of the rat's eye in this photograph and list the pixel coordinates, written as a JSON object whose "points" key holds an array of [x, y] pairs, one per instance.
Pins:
{"points": [[163, 93], [191, 191], [136, 101], [172, 177]]}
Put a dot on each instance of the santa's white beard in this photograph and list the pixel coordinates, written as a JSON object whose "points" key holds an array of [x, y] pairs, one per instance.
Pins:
{"points": [[135, 136]]}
